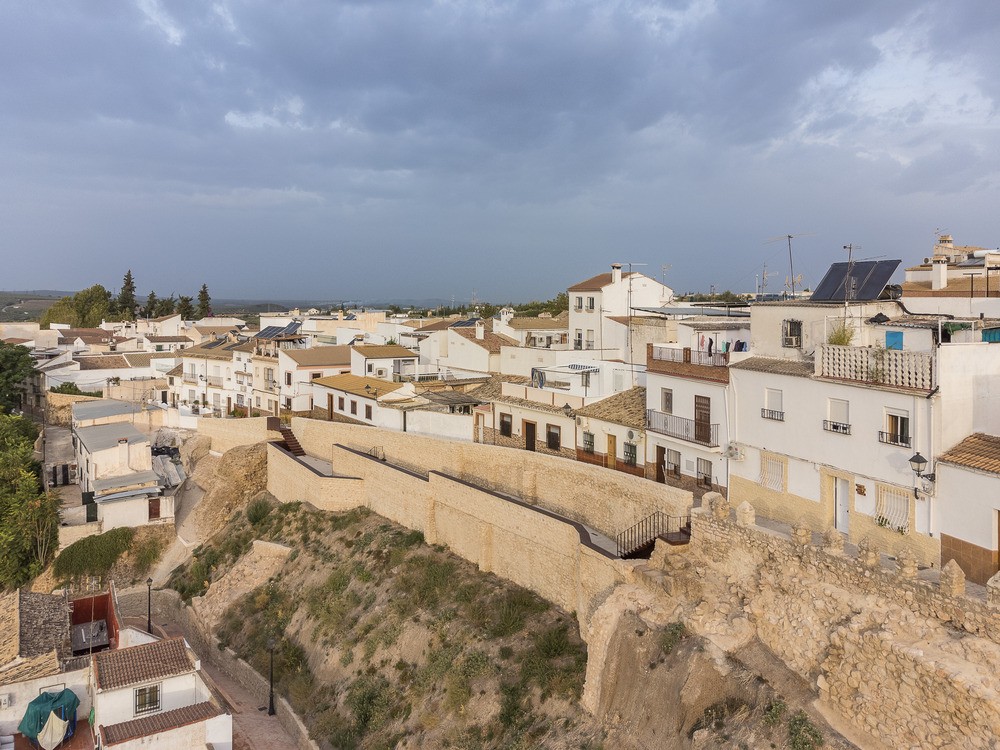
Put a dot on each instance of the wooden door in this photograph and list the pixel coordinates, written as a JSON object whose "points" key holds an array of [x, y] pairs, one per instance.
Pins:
{"points": [[703, 419], [612, 453], [528, 428], [154, 508], [329, 406], [661, 458]]}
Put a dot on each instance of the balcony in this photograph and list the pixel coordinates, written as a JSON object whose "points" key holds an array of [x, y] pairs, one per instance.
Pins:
{"points": [[772, 414], [875, 366], [892, 438], [190, 377], [215, 381], [690, 356], [702, 433], [841, 428], [688, 363]]}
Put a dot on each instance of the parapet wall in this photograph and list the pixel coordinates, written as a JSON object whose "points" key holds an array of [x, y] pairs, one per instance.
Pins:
{"points": [[230, 433], [907, 657], [609, 501]]}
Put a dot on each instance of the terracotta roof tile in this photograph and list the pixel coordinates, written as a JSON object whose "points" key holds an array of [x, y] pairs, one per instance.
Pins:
{"points": [[147, 726], [356, 385], [776, 366], [978, 451], [537, 324], [43, 665], [144, 663], [627, 408], [596, 283], [387, 351], [490, 341], [103, 362], [317, 356]]}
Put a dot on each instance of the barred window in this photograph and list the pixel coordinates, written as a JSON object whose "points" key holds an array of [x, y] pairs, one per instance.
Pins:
{"points": [[588, 442], [673, 463], [772, 472], [704, 472], [147, 699], [631, 454], [892, 508], [506, 425], [553, 436]]}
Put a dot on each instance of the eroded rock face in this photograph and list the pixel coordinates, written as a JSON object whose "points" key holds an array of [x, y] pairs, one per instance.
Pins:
{"points": [[193, 450], [239, 476]]}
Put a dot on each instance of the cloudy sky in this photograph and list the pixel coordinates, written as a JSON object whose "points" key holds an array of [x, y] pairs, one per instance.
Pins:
{"points": [[396, 148]]}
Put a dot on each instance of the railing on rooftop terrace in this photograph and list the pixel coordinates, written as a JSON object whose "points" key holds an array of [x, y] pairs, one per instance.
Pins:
{"points": [[215, 380], [692, 356], [889, 367], [693, 431]]}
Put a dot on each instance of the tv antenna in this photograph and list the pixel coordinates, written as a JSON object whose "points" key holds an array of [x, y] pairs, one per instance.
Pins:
{"points": [[791, 266], [764, 276]]}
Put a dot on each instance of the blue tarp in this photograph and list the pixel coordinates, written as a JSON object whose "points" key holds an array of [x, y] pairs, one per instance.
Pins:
{"points": [[64, 703]]}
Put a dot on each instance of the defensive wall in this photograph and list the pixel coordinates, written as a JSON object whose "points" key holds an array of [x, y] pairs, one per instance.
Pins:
{"points": [[608, 501], [230, 433]]}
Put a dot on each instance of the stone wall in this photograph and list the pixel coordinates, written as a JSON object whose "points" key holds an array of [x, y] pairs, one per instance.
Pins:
{"points": [[230, 433], [905, 655], [609, 501], [290, 481], [59, 407], [493, 437], [70, 534]]}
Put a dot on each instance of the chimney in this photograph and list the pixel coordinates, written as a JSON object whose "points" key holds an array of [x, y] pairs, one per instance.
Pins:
{"points": [[939, 273], [480, 330], [123, 452], [616, 273]]}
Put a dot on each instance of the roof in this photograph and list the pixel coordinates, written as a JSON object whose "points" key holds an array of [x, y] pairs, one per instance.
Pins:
{"points": [[492, 390], [538, 324], [627, 408], [217, 330], [103, 436], [177, 370], [978, 451], [385, 351], [168, 339], [490, 341], [714, 324], [126, 731], [32, 624], [318, 356], [138, 359], [451, 398], [142, 663], [103, 362], [856, 281], [104, 407], [16, 341], [126, 480], [356, 385], [597, 283], [776, 366], [277, 332], [20, 670], [163, 318], [217, 349]]}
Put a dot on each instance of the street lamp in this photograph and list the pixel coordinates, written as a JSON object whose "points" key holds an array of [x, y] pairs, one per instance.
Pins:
{"points": [[270, 693], [918, 463], [149, 605]]}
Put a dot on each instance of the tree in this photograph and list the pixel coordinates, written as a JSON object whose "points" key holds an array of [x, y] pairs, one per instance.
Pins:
{"points": [[204, 302], [184, 307], [16, 366], [165, 306], [85, 309], [126, 297], [149, 311]]}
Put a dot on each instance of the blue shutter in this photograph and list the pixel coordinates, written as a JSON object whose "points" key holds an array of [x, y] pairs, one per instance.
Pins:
{"points": [[894, 340]]}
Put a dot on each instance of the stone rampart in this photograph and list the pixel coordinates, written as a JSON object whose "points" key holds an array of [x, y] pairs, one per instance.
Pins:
{"points": [[230, 433], [289, 480], [609, 501]]}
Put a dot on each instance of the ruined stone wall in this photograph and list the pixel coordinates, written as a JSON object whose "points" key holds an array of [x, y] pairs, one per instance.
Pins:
{"points": [[59, 407], [905, 655]]}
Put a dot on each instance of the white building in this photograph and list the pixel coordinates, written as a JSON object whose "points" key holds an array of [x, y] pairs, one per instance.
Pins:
{"points": [[298, 368]]}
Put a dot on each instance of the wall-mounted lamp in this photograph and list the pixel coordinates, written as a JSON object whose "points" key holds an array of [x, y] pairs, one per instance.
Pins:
{"points": [[918, 463]]}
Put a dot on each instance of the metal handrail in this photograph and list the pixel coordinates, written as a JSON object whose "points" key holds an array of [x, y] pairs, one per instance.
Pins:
{"points": [[648, 529], [691, 430]]}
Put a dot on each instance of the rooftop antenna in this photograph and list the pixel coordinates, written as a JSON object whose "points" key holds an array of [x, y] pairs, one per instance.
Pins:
{"points": [[848, 280], [663, 272], [788, 238], [763, 279], [629, 263]]}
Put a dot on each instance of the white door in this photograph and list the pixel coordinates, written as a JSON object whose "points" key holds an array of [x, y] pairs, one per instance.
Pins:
{"points": [[842, 502]]}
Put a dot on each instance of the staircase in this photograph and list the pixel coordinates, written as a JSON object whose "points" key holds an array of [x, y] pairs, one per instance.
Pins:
{"points": [[291, 442], [638, 541]]}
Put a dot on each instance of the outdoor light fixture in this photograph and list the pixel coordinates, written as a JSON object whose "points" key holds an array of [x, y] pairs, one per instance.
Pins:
{"points": [[270, 692], [149, 605], [918, 463]]}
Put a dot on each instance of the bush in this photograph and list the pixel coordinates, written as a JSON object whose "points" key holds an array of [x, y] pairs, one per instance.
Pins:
{"points": [[93, 555], [258, 510], [842, 335], [147, 555], [673, 634], [802, 735]]}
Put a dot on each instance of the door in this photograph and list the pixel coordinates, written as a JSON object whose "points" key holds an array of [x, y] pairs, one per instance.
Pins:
{"points": [[661, 459], [703, 419], [842, 502], [329, 406], [612, 451], [528, 428], [154, 508], [229, 404]]}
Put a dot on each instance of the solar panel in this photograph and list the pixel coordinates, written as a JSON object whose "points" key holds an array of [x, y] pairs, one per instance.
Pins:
{"points": [[861, 281], [465, 323]]}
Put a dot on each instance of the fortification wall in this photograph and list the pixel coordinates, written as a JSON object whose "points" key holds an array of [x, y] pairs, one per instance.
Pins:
{"points": [[907, 656], [59, 407], [230, 433], [289, 481], [605, 500]]}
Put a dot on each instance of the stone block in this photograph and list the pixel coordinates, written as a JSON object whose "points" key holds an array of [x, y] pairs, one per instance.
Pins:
{"points": [[745, 514], [719, 505], [868, 554], [801, 533], [907, 563], [993, 590], [952, 579], [833, 542]]}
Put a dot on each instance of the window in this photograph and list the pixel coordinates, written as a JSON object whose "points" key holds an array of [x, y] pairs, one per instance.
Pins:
{"points": [[791, 333], [315, 375], [667, 400], [288, 378], [892, 508], [288, 403], [579, 304], [838, 411], [704, 472], [553, 435], [590, 304], [772, 472], [773, 405], [147, 699], [673, 467], [368, 411], [354, 407], [590, 339], [506, 425], [630, 453], [894, 340], [340, 403], [371, 367], [258, 400], [578, 339], [588, 442], [585, 380], [897, 428]]}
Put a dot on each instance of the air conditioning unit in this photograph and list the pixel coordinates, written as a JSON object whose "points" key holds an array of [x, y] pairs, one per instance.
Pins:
{"points": [[381, 372], [792, 342], [734, 451], [5, 701]]}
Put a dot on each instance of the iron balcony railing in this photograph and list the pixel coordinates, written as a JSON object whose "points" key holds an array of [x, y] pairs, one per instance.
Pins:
{"points": [[842, 428], [777, 416], [692, 356], [893, 438], [694, 431], [673, 529]]}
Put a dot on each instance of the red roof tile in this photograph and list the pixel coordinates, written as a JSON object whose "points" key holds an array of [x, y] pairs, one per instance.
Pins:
{"points": [[116, 734], [145, 663]]}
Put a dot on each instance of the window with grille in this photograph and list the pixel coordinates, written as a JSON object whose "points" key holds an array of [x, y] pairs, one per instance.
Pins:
{"points": [[673, 467], [588, 442], [354, 407], [772, 472], [773, 405], [553, 436], [897, 429], [704, 472], [667, 400], [340, 403], [791, 333], [590, 304], [506, 425], [631, 453], [838, 410], [368, 411], [579, 304], [147, 699], [892, 508]]}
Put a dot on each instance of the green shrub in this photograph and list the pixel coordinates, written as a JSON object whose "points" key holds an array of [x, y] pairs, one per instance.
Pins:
{"points": [[775, 712], [842, 335], [802, 734], [147, 555], [258, 510], [673, 634], [93, 555]]}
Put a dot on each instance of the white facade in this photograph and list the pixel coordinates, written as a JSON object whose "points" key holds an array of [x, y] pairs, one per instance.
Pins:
{"points": [[20, 694]]}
